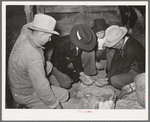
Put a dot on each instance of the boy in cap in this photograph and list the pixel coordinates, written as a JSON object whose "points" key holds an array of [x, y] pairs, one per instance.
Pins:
{"points": [[99, 28], [128, 51], [28, 70], [73, 57]]}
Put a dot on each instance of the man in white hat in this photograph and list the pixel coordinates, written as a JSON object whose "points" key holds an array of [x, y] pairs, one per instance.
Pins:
{"points": [[128, 51], [28, 70]]}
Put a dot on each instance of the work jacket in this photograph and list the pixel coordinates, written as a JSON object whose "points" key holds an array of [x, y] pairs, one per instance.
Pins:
{"points": [[26, 70]]}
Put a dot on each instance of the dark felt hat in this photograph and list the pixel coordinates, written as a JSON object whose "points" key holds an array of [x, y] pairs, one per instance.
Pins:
{"points": [[99, 25], [82, 36]]}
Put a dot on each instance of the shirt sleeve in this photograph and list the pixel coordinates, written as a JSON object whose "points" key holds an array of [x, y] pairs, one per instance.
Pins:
{"points": [[41, 84]]}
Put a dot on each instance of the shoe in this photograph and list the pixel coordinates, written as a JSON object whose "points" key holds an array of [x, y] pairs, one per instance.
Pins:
{"points": [[127, 89]]}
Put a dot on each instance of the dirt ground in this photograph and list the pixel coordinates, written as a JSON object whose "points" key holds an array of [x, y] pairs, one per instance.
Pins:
{"points": [[15, 19]]}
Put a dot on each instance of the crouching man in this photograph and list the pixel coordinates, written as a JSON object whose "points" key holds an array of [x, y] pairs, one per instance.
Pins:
{"points": [[73, 57], [128, 52], [28, 70]]}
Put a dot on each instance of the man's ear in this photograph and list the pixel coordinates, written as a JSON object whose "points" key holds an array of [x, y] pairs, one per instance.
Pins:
{"points": [[40, 33]]}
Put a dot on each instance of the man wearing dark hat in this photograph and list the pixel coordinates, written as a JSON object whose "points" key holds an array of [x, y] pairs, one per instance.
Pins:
{"points": [[99, 28], [28, 70], [73, 57], [128, 51]]}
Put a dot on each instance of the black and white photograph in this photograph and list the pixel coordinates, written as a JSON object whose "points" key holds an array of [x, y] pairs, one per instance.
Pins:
{"points": [[75, 60]]}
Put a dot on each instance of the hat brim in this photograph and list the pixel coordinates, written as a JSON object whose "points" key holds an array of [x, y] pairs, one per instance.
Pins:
{"points": [[74, 39], [97, 29], [43, 30], [111, 44]]}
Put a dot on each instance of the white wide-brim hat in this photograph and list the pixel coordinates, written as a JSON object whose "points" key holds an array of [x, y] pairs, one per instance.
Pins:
{"points": [[43, 23], [114, 34]]}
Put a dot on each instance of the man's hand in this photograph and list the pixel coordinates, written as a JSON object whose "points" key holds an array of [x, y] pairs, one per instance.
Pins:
{"points": [[101, 82], [106, 79], [84, 75], [49, 67], [87, 80], [59, 106]]}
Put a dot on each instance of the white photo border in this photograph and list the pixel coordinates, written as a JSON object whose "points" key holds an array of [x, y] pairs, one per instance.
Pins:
{"points": [[70, 114]]}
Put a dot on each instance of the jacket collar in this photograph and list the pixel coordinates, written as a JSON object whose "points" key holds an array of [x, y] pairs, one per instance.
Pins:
{"points": [[126, 39], [74, 50], [33, 42]]}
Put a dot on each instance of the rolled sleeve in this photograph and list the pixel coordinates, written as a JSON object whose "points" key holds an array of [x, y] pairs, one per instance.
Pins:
{"points": [[41, 84]]}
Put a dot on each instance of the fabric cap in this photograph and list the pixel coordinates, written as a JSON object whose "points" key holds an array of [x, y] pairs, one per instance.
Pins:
{"points": [[99, 25]]}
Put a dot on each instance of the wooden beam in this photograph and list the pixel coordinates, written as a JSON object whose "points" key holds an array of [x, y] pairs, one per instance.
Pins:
{"points": [[81, 9]]}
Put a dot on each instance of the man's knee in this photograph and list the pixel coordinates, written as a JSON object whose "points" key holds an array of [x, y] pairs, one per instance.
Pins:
{"points": [[65, 96], [91, 54], [88, 55], [49, 67], [66, 85], [115, 82]]}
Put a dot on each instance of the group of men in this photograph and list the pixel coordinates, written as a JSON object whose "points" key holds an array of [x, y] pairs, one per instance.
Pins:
{"points": [[74, 59]]}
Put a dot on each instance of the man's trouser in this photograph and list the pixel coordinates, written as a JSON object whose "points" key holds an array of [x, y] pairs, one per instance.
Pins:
{"points": [[33, 101], [120, 80], [140, 88], [88, 64]]}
